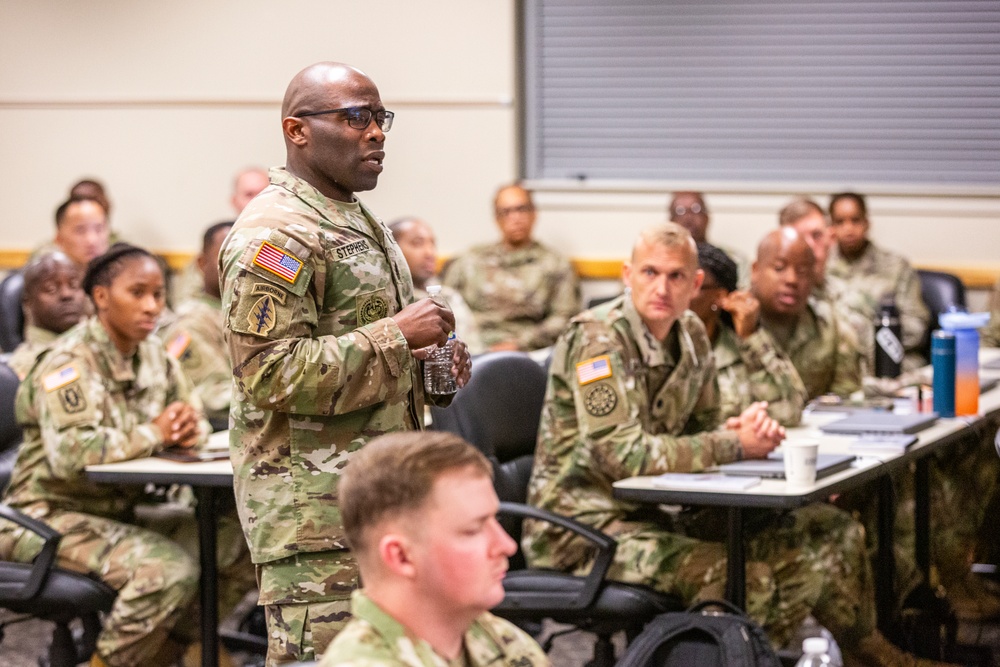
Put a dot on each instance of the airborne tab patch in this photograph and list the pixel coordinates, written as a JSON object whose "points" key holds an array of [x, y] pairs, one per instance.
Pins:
{"points": [[276, 292], [60, 378], [275, 260], [593, 369]]}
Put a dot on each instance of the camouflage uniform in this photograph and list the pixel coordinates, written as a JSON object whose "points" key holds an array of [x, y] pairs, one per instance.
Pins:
{"points": [[196, 338], [651, 409], [823, 348], [375, 639], [36, 341], [84, 404], [526, 295], [991, 333], [755, 370], [465, 322], [865, 281], [320, 367]]}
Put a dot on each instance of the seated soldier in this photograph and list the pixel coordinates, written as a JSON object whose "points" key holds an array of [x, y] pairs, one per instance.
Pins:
{"points": [[82, 231], [688, 209], [195, 335], [416, 239], [991, 333], [871, 274], [521, 292], [748, 364], [106, 392], [632, 391], [420, 516], [818, 340], [53, 302]]}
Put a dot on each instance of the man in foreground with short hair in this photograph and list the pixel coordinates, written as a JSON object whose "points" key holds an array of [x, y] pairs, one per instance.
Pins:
{"points": [[521, 292], [632, 391], [420, 516], [53, 301]]}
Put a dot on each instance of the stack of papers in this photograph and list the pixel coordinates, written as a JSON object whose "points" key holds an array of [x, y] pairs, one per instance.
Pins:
{"points": [[704, 482], [875, 444]]}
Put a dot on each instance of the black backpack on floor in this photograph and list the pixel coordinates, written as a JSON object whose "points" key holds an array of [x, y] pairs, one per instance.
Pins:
{"points": [[701, 637]]}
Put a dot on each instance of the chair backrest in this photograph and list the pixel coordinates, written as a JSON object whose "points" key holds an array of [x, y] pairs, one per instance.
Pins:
{"points": [[11, 315], [10, 432], [940, 292]]}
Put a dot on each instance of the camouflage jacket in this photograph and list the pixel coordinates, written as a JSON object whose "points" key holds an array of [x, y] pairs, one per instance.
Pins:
{"points": [[823, 348], [309, 286], [82, 404], [36, 341], [619, 403], [526, 295], [373, 638], [466, 326], [991, 332], [861, 284], [756, 370], [195, 337]]}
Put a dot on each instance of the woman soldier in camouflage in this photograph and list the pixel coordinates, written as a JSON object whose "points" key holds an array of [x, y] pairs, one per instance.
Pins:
{"points": [[108, 392]]}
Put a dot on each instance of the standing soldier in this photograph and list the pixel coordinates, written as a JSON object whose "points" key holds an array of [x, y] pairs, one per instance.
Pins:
{"points": [[323, 337]]}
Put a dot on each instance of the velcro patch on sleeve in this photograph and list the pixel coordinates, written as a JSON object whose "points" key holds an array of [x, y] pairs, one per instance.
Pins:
{"points": [[594, 369], [60, 378], [273, 259], [178, 344]]}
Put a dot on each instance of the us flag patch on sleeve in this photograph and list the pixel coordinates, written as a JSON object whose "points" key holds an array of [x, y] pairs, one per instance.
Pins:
{"points": [[178, 345], [273, 259], [594, 369], [60, 378]]}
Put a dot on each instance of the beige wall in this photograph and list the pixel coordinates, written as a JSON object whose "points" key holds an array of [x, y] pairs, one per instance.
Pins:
{"points": [[165, 101]]}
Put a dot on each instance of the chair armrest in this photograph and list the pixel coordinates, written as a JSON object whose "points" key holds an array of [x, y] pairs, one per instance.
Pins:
{"points": [[43, 562], [606, 547]]}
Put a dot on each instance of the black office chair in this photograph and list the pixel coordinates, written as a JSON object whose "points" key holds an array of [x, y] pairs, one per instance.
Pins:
{"points": [[11, 315], [940, 292], [10, 432], [498, 412]]}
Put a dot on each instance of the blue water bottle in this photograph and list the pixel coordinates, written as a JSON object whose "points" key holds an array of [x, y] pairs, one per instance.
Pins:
{"points": [[964, 326], [943, 362]]}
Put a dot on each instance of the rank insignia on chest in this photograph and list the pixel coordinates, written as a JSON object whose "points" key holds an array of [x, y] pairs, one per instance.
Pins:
{"points": [[178, 345], [60, 378], [262, 317], [593, 369], [273, 259]]}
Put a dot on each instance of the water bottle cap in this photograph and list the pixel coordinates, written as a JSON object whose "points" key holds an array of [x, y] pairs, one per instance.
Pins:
{"points": [[433, 290], [957, 321], [816, 645]]}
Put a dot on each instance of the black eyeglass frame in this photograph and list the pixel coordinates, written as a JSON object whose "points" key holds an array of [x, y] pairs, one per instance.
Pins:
{"points": [[385, 124]]}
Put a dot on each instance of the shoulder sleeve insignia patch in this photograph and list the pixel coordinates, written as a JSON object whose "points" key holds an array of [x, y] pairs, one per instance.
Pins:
{"points": [[60, 378], [275, 260], [593, 369], [600, 400], [262, 317], [178, 344], [72, 399]]}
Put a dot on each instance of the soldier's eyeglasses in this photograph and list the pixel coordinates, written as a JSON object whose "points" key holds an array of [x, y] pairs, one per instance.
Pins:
{"points": [[678, 211], [358, 117]]}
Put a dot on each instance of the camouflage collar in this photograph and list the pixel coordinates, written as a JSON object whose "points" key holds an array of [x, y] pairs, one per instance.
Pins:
{"points": [[38, 336], [116, 365], [654, 352], [726, 348], [514, 258], [866, 263]]}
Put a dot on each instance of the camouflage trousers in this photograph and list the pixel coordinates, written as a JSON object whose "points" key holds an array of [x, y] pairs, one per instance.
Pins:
{"points": [[812, 560], [307, 602], [155, 579]]}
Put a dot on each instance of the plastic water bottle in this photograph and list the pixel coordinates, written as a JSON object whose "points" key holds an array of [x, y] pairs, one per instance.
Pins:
{"points": [[438, 379], [816, 653]]}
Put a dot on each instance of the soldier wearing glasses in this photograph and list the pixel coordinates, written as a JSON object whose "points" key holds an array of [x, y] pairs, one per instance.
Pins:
{"points": [[688, 210], [325, 344], [522, 293]]}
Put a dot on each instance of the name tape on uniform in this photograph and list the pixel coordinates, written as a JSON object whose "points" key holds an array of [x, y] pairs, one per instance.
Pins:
{"points": [[351, 249], [593, 369]]}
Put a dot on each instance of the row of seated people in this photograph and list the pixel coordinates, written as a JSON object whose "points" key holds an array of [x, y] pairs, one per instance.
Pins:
{"points": [[789, 297]]}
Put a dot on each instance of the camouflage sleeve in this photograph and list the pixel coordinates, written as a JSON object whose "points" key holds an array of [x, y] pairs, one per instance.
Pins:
{"points": [[773, 378], [564, 286], [205, 364], [847, 374], [609, 412], [180, 388], [991, 333], [913, 314]]}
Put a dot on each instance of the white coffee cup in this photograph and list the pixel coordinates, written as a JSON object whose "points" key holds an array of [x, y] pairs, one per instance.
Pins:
{"points": [[800, 461]]}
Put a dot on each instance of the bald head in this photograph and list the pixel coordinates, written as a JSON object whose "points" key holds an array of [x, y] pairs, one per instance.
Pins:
{"points": [[326, 144], [53, 298], [782, 276], [416, 240], [781, 241]]}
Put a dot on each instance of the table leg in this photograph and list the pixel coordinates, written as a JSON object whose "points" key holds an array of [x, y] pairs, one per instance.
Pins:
{"points": [[922, 516], [205, 512], [736, 572], [885, 563]]}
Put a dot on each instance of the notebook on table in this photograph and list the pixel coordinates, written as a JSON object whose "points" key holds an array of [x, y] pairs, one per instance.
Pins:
{"points": [[881, 422], [773, 467]]}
